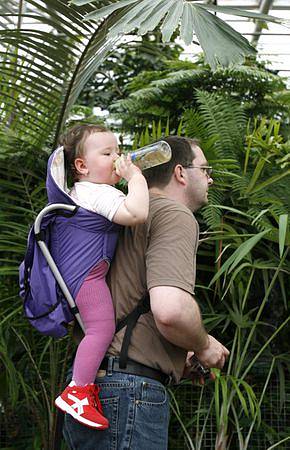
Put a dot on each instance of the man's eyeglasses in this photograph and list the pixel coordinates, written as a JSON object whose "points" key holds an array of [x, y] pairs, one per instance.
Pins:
{"points": [[205, 169]]}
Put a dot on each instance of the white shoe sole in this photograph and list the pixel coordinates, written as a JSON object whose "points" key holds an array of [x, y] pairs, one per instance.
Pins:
{"points": [[61, 404]]}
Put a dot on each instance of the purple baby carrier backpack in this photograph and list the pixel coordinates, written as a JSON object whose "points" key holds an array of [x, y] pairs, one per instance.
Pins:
{"points": [[76, 241]]}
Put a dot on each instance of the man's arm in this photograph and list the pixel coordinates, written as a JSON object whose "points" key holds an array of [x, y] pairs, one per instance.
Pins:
{"points": [[178, 319]]}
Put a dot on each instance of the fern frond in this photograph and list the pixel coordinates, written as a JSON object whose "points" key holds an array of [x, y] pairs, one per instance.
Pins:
{"points": [[181, 78], [251, 77], [194, 126], [212, 216], [261, 221], [223, 118], [239, 185], [143, 96]]}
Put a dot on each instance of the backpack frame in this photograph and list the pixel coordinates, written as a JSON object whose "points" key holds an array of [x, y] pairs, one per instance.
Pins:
{"points": [[60, 309]]}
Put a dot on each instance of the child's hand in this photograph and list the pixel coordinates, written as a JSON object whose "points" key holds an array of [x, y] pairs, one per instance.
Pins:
{"points": [[125, 168]]}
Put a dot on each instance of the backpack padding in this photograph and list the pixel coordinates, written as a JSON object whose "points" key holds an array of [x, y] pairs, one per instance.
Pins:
{"points": [[42, 288]]}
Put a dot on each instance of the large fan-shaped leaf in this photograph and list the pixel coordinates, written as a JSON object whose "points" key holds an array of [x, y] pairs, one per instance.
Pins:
{"points": [[102, 12], [171, 20], [242, 13], [214, 35], [221, 43]]}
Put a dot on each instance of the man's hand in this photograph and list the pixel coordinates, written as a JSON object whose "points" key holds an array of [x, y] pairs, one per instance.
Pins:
{"points": [[214, 355]]}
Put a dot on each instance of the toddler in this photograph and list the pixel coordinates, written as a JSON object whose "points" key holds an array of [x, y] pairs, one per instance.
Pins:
{"points": [[91, 152]]}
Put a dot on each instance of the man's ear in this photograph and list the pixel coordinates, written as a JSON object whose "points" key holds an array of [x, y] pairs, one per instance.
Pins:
{"points": [[81, 166], [179, 174]]}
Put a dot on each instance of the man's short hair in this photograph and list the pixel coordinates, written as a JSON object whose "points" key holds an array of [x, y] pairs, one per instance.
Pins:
{"points": [[182, 153]]}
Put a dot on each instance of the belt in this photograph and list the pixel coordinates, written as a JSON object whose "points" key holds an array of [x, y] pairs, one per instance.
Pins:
{"points": [[111, 363]]}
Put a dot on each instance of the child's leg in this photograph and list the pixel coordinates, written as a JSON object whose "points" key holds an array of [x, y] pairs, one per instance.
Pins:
{"points": [[80, 399], [96, 309]]}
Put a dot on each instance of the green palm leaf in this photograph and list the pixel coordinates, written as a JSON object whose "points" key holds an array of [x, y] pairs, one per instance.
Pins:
{"points": [[242, 251], [242, 13], [283, 222], [221, 44], [171, 20], [105, 10], [44, 67]]}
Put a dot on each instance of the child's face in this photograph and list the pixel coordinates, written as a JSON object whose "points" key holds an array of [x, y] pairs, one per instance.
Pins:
{"points": [[100, 152]]}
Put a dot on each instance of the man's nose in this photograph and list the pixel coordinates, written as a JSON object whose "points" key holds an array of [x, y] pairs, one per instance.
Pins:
{"points": [[209, 180]]}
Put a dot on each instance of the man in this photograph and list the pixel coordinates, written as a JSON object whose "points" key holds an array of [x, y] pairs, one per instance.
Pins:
{"points": [[156, 257]]}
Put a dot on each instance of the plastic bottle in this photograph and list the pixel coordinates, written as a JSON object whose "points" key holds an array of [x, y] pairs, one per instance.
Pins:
{"points": [[151, 155]]}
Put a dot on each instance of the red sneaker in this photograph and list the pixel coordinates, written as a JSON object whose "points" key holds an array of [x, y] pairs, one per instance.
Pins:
{"points": [[83, 404]]}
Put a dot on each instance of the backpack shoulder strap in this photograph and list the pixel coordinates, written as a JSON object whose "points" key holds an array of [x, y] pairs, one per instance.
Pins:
{"points": [[129, 322]]}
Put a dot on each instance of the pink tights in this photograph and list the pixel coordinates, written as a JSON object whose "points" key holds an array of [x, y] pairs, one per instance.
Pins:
{"points": [[96, 310]]}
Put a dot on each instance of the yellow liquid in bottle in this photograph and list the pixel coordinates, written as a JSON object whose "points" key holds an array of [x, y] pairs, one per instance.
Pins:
{"points": [[151, 155]]}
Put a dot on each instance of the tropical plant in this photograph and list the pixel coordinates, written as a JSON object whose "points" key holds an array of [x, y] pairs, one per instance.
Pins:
{"points": [[246, 235], [37, 101], [141, 54], [168, 93], [47, 55], [245, 242], [221, 44]]}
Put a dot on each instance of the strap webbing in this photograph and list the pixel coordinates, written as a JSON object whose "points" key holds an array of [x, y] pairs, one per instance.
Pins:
{"points": [[129, 322]]}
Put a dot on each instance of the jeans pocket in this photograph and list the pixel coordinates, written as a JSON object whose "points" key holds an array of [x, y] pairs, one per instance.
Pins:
{"points": [[152, 394], [80, 437], [151, 418]]}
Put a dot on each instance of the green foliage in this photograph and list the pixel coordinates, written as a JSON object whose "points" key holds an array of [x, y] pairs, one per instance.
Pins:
{"points": [[133, 59], [248, 215], [27, 375], [37, 101], [42, 75], [169, 93], [243, 260], [221, 44]]}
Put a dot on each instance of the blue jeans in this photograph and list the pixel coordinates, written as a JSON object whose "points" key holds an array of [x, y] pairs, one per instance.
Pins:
{"points": [[138, 412]]}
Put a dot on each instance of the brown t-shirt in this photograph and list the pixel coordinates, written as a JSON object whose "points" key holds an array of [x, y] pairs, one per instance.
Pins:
{"points": [[161, 252]]}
